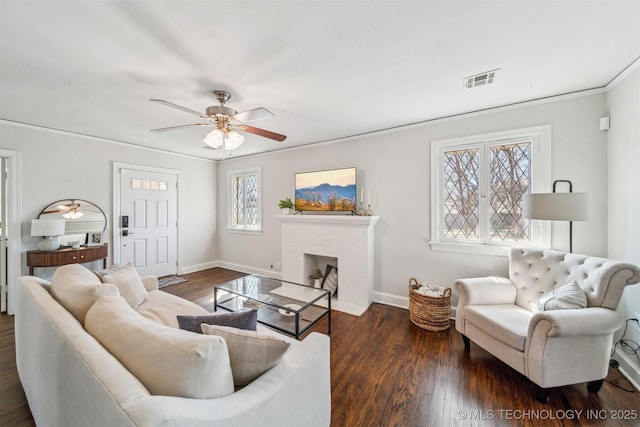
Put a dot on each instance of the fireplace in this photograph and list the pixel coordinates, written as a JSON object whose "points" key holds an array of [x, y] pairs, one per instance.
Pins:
{"points": [[313, 241]]}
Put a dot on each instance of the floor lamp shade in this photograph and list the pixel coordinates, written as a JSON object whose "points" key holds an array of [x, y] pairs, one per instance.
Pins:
{"points": [[50, 229], [556, 206]]}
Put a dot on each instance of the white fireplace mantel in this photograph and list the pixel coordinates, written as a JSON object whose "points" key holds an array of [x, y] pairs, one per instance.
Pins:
{"points": [[334, 220], [348, 238]]}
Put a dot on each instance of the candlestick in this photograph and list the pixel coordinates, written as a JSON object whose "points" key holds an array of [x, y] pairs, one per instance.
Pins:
{"points": [[362, 196]]}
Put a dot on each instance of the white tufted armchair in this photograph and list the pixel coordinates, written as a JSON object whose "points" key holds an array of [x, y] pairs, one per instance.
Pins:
{"points": [[551, 348]]}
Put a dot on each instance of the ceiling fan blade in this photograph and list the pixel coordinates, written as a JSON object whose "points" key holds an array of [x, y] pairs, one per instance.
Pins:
{"points": [[181, 127], [263, 133], [179, 107], [253, 115]]}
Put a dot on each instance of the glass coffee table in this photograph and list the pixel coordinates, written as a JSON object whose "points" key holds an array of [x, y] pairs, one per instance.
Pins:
{"points": [[285, 306]]}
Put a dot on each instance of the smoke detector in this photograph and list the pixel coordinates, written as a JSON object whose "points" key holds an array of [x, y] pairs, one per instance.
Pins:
{"points": [[481, 79]]}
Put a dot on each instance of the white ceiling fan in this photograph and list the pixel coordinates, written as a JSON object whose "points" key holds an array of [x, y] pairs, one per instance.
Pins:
{"points": [[228, 122]]}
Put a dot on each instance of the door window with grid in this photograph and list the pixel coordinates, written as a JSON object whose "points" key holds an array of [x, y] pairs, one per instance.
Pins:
{"points": [[478, 184], [244, 204]]}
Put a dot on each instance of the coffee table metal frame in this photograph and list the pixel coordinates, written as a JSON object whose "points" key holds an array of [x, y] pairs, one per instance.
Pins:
{"points": [[255, 292]]}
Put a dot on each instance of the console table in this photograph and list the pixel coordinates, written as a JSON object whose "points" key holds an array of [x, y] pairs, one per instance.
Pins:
{"points": [[66, 256]]}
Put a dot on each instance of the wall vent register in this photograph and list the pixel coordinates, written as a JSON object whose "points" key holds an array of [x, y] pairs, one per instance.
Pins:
{"points": [[482, 79]]}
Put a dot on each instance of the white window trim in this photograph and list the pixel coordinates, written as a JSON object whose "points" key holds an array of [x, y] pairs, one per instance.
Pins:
{"points": [[540, 137], [243, 230]]}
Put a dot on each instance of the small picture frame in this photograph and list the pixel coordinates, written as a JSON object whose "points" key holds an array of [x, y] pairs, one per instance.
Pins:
{"points": [[95, 239]]}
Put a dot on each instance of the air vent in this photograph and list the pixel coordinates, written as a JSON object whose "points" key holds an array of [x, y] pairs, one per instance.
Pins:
{"points": [[481, 79]]}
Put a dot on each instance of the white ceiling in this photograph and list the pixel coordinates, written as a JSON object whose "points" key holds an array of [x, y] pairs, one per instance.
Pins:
{"points": [[326, 69]]}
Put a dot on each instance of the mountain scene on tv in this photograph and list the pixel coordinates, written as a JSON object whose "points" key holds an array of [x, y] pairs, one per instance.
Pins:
{"points": [[326, 197]]}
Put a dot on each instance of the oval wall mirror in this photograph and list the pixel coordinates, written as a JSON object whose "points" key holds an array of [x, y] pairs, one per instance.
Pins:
{"points": [[81, 217]]}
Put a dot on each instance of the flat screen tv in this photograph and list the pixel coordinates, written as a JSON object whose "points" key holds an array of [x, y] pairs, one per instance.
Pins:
{"points": [[328, 190]]}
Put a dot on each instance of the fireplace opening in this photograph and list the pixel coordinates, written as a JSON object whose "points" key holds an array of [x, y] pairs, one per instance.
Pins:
{"points": [[314, 262]]}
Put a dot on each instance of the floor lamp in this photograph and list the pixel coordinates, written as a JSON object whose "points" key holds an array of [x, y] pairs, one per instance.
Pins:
{"points": [[557, 207]]}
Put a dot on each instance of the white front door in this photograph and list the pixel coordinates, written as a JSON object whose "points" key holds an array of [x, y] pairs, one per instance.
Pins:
{"points": [[148, 221]]}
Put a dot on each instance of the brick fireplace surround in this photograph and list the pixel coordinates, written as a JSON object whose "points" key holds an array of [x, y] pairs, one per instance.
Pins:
{"points": [[347, 239]]}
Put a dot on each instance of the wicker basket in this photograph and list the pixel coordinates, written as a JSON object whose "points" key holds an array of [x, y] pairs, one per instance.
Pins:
{"points": [[427, 312]]}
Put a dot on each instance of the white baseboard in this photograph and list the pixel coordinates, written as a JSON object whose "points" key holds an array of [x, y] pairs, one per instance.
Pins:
{"points": [[198, 267], [249, 270], [399, 301], [231, 266], [393, 300], [627, 368]]}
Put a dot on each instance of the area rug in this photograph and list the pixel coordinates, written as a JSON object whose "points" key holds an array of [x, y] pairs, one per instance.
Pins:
{"points": [[169, 281]]}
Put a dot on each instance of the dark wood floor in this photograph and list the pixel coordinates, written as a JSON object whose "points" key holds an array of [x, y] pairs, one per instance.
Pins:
{"points": [[387, 372]]}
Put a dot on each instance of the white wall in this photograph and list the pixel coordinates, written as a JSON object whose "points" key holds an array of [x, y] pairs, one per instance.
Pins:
{"points": [[57, 165], [623, 104], [396, 166]]}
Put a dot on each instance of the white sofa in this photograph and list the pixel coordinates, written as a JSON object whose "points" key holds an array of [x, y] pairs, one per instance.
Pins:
{"points": [[70, 379], [555, 347]]}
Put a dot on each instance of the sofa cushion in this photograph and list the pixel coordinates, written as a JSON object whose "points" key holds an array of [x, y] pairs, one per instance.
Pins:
{"points": [[129, 283], [569, 296], [247, 319], [163, 307], [507, 323], [76, 288], [251, 353], [168, 361]]}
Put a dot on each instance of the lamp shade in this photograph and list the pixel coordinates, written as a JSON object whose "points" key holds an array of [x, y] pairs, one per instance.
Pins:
{"points": [[47, 227], [556, 206]]}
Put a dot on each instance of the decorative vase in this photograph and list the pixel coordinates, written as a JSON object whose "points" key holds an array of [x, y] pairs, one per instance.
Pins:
{"points": [[316, 283], [286, 211]]}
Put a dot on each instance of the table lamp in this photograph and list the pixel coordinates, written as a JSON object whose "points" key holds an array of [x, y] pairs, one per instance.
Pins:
{"points": [[50, 229]]}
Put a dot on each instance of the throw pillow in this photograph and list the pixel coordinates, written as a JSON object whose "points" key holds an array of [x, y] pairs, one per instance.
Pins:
{"points": [[163, 307], [76, 289], [563, 297], [110, 270], [167, 361], [247, 319], [251, 353], [330, 281], [129, 283]]}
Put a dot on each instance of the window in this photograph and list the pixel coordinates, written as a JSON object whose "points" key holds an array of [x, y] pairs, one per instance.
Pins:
{"points": [[477, 188], [244, 204]]}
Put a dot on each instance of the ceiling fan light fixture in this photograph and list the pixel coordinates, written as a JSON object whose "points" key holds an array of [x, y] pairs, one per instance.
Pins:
{"points": [[73, 211], [73, 214], [214, 139], [230, 139], [233, 140]]}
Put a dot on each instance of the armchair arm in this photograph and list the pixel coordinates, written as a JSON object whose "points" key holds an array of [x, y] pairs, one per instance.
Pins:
{"points": [[583, 321], [485, 290], [150, 282]]}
